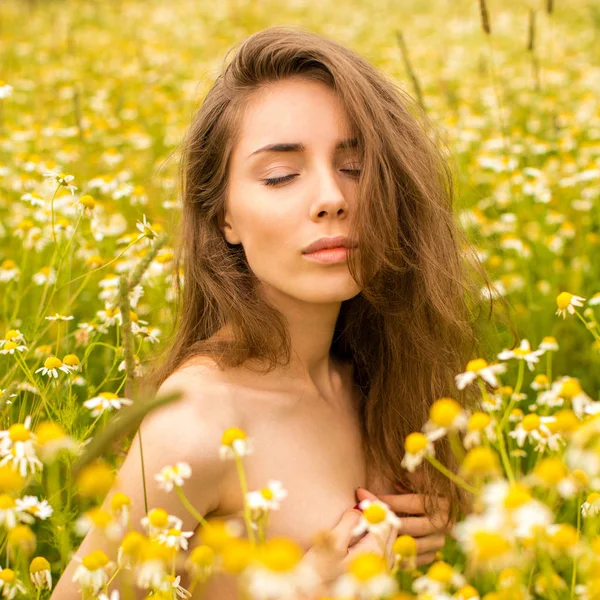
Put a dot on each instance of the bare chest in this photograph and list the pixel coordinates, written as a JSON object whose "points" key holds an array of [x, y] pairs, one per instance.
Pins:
{"points": [[314, 449]]}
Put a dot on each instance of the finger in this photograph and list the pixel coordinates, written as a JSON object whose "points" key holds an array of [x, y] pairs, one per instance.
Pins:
{"points": [[342, 532], [413, 504], [425, 559], [363, 494], [417, 526], [430, 543]]}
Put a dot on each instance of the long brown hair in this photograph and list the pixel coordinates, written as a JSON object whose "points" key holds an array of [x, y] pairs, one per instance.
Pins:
{"points": [[412, 327]]}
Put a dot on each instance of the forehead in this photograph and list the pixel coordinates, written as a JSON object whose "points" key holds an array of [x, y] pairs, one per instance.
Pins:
{"points": [[295, 110]]}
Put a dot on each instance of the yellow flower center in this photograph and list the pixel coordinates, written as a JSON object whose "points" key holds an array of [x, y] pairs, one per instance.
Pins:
{"points": [[164, 258], [280, 554], [119, 500], [71, 360], [231, 435], [11, 334], [267, 494], [39, 563], [95, 560], [133, 316], [551, 470], [6, 502], [132, 543], [10, 479], [405, 545], [440, 571], [566, 420], [95, 480], [108, 395], [478, 421], [99, 517], [202, 556], [480, 460], [366, 566], [521, 351], [531, 422], [476, 365], [593, 497], [565, 536], [415, 442], [174, 532], [563, 300], [570, 388], [10, 345], [216, 534], [154, 550], [52, 362], [541, 379], [49, 431], [19, 433], [21, 535], [444, 411], [549, 340], [87, 201], [7, 575], [158, 517], [490, 545], [466, 592], [517, 496], [236, 556], [374, 514], [8, 264]]}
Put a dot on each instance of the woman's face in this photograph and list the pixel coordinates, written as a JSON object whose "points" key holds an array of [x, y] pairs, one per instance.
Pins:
{"points": [[274, 223]]}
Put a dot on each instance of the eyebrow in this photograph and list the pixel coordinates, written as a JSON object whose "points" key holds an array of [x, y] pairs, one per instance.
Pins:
{"points": [[299, 147]]}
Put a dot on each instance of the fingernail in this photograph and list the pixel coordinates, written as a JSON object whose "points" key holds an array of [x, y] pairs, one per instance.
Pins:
{"points": [[356, 506]]}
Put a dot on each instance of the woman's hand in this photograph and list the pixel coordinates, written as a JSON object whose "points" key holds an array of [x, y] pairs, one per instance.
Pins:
{"points": [[430, 535]]}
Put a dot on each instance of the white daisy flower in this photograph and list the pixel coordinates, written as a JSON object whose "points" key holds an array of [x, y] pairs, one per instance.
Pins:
{"points": [[40, 573], [264, 501], [159, 521], [376, 518], [479, 368], [59, 317], [17, 448], [566, 304], [93, 572], [52, 365], [5, 90], [591, 507], [9, 512], [30, 507], [12, 347], [12, 335], [480, 424], [523, 352], [170, 476], [171, 584], [445, 414], [61, 179], [175, 538], [279, 573], [366, 579], [10, 585], [234, 442], [440, 578], [105, 401], [416, 446], [549, 344]]}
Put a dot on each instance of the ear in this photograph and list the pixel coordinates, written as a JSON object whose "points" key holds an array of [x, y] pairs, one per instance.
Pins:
{"points": [[224, 221]]}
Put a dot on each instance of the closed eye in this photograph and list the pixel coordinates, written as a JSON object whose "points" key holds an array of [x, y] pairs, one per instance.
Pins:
{"points": [[278, 180]]}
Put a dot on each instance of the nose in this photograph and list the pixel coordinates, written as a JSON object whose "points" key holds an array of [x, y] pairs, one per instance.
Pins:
{"points": [[330, 200]]}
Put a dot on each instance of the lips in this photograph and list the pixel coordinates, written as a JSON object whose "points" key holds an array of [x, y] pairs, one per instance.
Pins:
{"points": [[328, 243]]}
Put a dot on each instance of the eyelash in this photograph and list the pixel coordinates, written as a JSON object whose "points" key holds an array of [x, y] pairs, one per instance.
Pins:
{"points": [[278, 180]]}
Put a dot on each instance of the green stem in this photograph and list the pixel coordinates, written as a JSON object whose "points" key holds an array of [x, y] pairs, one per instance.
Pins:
{"points": [[513, 398], [189, 507], [244, 486], [450, 475]]}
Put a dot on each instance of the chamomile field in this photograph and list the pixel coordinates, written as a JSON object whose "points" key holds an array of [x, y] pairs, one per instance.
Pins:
{"points": [[95, 98]]}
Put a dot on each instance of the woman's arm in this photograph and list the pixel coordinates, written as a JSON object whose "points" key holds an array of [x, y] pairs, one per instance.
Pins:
{"points": [[187, 430]]}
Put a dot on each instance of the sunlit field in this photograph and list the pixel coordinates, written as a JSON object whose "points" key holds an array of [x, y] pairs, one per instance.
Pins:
{"points": [[95, 99]]}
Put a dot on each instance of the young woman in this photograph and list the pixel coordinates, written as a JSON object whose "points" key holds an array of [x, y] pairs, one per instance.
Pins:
{"points": [[326, 359]]}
